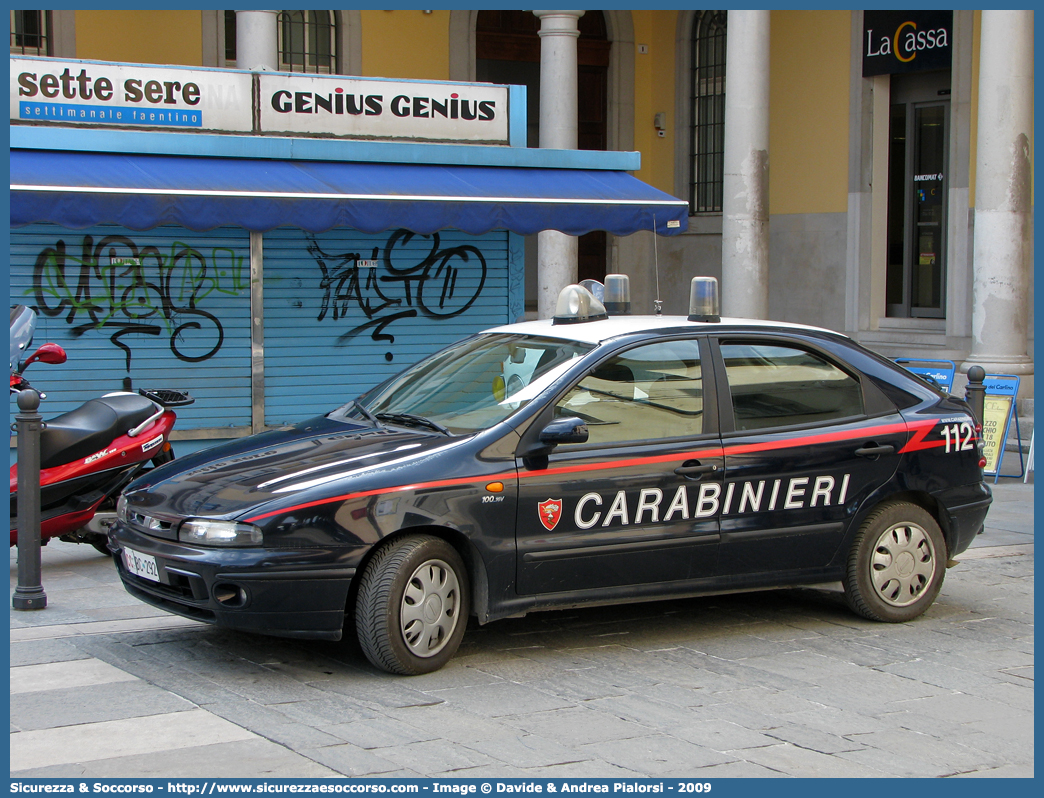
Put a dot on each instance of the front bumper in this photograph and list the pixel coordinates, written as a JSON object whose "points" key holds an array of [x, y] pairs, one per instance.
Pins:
{"points": [[283, 592]]}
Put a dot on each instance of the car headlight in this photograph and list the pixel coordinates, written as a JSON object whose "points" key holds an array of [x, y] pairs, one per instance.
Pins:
{"points": [[205, 532], [121, 509]]}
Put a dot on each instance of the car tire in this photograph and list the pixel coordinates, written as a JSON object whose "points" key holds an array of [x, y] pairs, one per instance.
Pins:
{"points": [[896, 565], [412, 606]]}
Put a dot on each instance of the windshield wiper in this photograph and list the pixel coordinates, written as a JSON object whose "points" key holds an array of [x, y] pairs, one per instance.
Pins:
{"points": [[411, 420], [369, 416]]}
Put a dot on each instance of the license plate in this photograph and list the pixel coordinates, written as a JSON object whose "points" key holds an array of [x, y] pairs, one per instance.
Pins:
{"points": [[143, 565]]}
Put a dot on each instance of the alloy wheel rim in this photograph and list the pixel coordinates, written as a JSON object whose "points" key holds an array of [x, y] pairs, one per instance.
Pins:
{"points": [[902, 565], [430, 608]]}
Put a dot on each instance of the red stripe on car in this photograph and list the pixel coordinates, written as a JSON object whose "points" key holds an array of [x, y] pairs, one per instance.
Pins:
{"points": [[917, 429]]}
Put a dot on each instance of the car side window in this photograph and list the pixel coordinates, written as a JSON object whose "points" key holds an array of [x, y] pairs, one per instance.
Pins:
{"points": [[775, 385], [650, 392]]}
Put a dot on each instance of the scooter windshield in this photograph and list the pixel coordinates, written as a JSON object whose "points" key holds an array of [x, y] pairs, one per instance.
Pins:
{"points": [[23, 324]]}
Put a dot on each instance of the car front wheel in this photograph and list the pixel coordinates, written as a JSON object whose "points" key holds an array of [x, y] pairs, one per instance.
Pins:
{"points": [[897, 564], [412, 605]]}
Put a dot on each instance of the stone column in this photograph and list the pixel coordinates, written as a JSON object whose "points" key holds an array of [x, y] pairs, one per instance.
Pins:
{"points": [[557, 252], [1002, 242], [257, 40], [744, 228]]}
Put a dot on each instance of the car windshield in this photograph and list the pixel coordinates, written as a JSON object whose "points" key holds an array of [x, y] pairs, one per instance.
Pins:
{"points": [[472, 385]]}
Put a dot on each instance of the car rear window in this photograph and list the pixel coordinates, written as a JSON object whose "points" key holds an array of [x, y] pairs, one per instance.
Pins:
{"points": [[775, 385]]}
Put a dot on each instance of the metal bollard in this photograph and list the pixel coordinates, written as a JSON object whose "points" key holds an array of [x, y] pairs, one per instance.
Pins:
{"points": [[975, 392], [29, 594]]}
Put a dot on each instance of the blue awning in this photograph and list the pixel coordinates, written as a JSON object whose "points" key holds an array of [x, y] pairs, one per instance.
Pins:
{"points": [[78, 190]]}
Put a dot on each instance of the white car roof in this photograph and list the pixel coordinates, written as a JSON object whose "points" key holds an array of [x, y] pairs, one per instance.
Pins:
{"points": [[594, 332]]}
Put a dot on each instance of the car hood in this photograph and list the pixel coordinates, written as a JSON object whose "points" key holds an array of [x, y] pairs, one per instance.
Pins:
{"points": [[315, 459]]}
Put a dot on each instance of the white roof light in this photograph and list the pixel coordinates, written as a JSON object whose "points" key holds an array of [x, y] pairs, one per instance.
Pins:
{"points": [[576, 304], [703, 300], [618, 294], [596, 288]]}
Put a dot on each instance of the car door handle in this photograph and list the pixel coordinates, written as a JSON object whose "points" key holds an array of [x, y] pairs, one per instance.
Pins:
{"points": [[695, 470], [875, 451]]}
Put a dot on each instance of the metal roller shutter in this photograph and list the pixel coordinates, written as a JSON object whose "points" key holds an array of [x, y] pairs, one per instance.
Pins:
{"points": [[346, 310], [168, 308]]}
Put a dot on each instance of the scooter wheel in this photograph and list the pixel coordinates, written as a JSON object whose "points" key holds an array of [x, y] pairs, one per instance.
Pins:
{"points": [[101, 544], [166, 454]]}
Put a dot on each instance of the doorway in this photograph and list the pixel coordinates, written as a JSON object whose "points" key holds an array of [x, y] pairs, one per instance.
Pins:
{"points": [[918, 155], [507, 50]]}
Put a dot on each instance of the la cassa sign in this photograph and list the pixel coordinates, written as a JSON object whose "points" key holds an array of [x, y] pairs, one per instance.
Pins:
{"points": [[906, 41]]}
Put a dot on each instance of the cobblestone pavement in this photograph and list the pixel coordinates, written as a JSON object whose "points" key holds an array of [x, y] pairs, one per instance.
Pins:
{"points": [[780, 683]]}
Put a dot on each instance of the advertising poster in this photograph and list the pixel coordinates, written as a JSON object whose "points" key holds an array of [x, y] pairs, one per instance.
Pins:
{"points": [[357, 108], [1001, 390], [994, 425], [129, 95]]}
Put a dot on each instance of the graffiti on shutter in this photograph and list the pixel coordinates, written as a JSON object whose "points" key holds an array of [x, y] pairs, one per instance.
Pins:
{"points": [[162, 308], [116, 283], [364, 306], [395, 283]]}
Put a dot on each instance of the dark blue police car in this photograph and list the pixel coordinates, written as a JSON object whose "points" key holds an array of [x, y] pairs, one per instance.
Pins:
{"points": [[589, 459]]}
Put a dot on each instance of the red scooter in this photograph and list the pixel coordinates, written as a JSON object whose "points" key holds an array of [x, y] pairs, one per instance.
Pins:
{"points": [[90, 454]]}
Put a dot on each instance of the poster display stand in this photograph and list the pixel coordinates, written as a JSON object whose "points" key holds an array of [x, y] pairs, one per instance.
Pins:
{"points": [[1029, 460], [937, 372], [1001, 390]]}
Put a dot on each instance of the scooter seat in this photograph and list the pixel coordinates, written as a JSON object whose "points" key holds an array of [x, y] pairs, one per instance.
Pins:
{"points": [[91, 427]]}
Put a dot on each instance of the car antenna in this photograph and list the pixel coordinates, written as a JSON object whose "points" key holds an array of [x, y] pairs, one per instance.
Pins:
{"points": [[657, 303]]}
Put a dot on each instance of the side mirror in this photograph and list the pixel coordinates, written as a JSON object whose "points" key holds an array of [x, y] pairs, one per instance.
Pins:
{"points": [[564, 430], [48, 353]]}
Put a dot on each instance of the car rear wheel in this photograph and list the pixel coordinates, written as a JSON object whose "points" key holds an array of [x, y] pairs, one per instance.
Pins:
{"points": [[897, 564], [412, 605]]}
